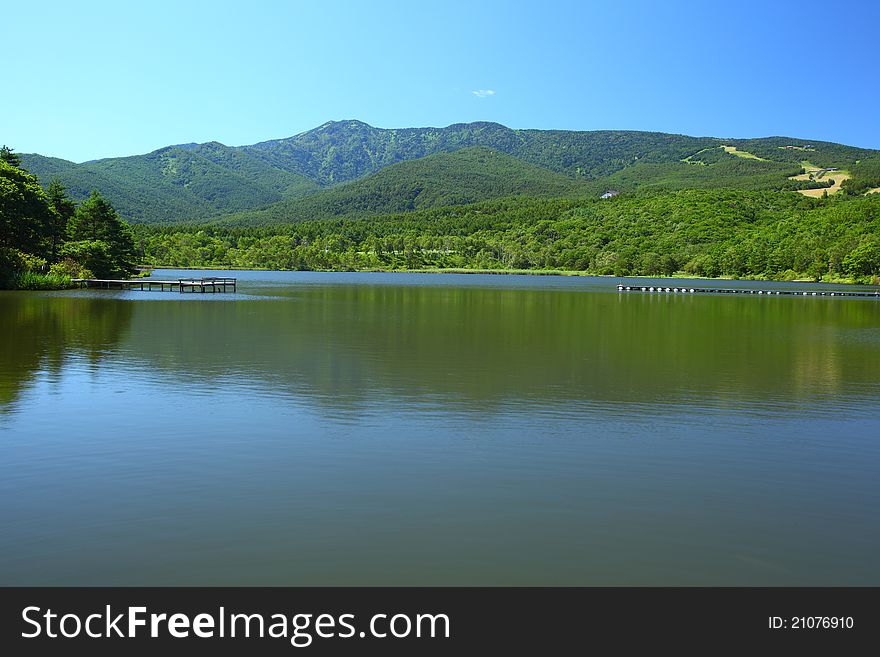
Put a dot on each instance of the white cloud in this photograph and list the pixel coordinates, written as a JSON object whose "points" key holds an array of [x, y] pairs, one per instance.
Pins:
{"points": [[483, 93]]}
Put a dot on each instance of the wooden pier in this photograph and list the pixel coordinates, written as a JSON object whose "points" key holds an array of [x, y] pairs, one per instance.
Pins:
{"points": [[659, 289], [212, 284]]}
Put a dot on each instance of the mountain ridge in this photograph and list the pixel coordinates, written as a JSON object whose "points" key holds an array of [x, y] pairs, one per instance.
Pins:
{"points": [[195, 182]]}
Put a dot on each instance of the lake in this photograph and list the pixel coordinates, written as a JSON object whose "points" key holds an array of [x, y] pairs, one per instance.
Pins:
{"points": [[418, 429]]}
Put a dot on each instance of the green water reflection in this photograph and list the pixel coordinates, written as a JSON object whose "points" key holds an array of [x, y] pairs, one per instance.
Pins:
{"points": [[328, 430]]}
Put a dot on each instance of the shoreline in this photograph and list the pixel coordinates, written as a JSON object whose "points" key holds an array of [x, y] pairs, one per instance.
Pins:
{"points": [[516, 272]]}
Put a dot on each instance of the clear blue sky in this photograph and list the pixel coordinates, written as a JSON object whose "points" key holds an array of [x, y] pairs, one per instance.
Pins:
{"points": [[87, 79]]}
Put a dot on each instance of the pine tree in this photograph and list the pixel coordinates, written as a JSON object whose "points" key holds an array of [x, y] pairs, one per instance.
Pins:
{"points": [[96, 220], [64, 209], [12, 159]]}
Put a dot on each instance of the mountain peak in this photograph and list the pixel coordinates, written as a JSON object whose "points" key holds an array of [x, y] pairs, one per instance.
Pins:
{"points": [[341, 125], [191, 146], [477, 125]]}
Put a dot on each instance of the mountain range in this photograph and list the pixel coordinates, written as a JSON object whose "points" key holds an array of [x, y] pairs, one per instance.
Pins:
{"points": [[349, 168]]}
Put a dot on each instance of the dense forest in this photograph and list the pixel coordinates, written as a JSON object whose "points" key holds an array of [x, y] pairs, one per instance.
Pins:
{"points": [[46, 239], [708, 233], [866, 178], [459, 178], [478, 174]]}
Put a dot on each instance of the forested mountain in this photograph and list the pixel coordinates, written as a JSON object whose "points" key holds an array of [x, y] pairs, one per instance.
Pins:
{"points": [[339, 151], [176, 183], [196, 182], [465, 176]]}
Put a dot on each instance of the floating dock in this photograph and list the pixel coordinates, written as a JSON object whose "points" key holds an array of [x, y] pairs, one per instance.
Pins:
{"points": [[212, 284], [733, 290]]}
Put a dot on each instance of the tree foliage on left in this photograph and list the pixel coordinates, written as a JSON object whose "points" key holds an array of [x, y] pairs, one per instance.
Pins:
{"points": [[25, 214], [45, 239]]}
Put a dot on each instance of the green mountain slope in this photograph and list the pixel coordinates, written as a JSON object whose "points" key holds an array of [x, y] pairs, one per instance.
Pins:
{"points": [[728, 171], [137, 202], [475, 174], [465, 176], [176, 183], [787, 149], [194, 182], [340, 151]]}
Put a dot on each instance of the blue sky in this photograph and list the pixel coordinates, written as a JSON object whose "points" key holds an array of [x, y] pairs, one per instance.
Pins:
{"points": [[98, 79]]}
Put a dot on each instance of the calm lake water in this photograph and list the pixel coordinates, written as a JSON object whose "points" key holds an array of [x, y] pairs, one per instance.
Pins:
{"points": [[321, 429]]}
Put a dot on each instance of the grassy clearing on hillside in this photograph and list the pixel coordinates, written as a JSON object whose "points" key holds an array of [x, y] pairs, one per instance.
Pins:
{"points": [[749, 156], [689, 159], [837, 176], [812, 172]]}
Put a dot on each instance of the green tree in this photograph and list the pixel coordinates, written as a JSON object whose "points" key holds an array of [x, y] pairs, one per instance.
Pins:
{"points": [[864, 259], [26, 217], [95, 220], [94, 255], [12, 159], [64, 210]]}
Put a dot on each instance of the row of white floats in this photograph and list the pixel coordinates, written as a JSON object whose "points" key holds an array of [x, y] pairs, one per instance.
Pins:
{"points": [[712, 290], [628, 288]]}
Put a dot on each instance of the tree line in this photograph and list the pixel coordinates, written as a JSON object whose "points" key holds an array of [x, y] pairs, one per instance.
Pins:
{"points": [[707, 233]]}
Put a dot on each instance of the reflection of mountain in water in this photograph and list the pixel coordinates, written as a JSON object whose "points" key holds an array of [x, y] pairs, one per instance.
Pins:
{"points": [[41, 332], [348, 346]]}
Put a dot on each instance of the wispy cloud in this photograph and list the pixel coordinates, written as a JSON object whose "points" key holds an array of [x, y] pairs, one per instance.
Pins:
{"points": [[483, 93]]}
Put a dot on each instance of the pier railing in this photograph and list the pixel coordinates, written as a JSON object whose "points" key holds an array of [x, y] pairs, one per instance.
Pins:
{"points": [[191, 284]]}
